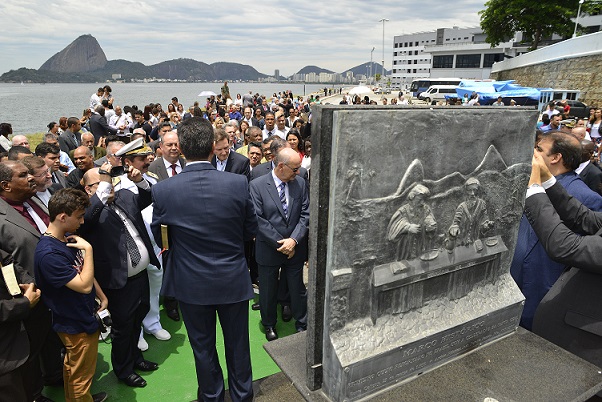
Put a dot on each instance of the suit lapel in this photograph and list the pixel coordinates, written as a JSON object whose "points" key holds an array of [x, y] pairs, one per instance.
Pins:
{"points": [[229, 162], [293, 193], [16, 218]]}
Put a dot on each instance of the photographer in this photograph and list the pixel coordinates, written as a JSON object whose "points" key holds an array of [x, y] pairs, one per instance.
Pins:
{"points": [[64, 271]]}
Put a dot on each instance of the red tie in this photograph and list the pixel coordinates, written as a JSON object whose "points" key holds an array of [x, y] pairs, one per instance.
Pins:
{"points": [[173, 170]]}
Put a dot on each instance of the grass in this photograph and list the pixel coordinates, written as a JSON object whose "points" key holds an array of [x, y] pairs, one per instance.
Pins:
{"points": [[176, 378], [35, 139]]}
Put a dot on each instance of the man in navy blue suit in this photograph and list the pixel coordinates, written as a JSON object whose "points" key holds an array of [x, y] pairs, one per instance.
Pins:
{"points": [[209, 215], [282, 205]]}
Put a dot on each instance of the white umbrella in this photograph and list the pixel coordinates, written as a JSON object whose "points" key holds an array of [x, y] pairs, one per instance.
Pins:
{"points": [[360, 90], [207, 94]]}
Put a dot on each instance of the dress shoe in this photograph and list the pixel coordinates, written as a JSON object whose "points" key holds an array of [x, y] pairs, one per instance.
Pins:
{"points": [[142, 344], [271, 334], [145, 365], [286, 313], [301, 329], [255, 306], [162, 335], [173, 314], [134, 380], [100, 397]]}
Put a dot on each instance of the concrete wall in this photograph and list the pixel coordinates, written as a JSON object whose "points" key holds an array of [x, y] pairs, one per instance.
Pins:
{"points": [[572, 64]]}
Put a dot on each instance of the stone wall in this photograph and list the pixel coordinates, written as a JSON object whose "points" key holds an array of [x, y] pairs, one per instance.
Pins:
{"points": [[582, 73]]}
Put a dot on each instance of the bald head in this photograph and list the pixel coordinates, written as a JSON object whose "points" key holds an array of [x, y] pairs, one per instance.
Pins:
{"points": [[287, 164], [588, 150], [88, 140], [579, 132], [20, 141]]}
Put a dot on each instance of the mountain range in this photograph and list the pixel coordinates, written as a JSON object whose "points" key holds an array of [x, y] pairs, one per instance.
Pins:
{"points": [[84, 60]]}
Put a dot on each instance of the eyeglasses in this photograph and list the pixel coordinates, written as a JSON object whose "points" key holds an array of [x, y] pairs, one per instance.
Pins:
{"points": [[295, 170], [93, 184], [42, 174]]}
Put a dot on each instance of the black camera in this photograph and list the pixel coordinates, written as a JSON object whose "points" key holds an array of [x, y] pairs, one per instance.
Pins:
{"points": [[104, 319], [119, 170]]}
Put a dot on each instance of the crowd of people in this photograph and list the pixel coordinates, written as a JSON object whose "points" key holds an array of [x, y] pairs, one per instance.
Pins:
{"points": [[120, 206], [115, 205]]}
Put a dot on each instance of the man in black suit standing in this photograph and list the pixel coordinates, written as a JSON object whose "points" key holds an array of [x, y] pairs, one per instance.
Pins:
{"points": [[570, 315], [113, 225], [225, 160], [282, 205], [590, 173], [166, 166], [98, 124], [206, 235], [70, 138]]}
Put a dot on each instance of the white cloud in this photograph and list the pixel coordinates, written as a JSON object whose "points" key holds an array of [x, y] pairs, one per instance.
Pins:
{"points": [[267, 35]]}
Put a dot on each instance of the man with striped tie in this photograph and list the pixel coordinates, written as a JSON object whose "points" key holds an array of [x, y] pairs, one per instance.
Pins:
{"points": [[281, 201]]}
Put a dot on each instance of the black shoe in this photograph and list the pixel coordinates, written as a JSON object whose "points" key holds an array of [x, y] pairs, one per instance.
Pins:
{"points": [[301, 329], [100, 397], [134, 380], [42, 398], [145, 365], [255, 306], [271, 334], [286, 313], [173, 314]]}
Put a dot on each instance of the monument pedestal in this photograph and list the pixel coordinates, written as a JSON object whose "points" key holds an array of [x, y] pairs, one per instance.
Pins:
{"points": [[520, 367]]}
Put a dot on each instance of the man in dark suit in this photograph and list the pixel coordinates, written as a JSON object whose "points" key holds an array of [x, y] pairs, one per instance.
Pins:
{"points": [[166, 166], [206, 235], [98, 124], [532, 268], [114, 227], [171, 163], [226, 160], [14, 340], [590, 173], [70, 138], [570, 315], [22, 221], [51, 155], [282, 205]]}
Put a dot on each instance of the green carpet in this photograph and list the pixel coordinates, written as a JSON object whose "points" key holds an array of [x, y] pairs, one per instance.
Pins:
{"points": [[175, 380]]}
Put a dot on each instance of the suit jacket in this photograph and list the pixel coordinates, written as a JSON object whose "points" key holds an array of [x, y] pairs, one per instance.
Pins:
{"points": [[14, 342], [273, 223], [570, 315], [209, 215], [592, 176], [99, 127], [158, 167], [59, 180], [105, 231], [67, 142], [18, 236], [531, 267], [236, 163], [99, 152], [266, 168]]}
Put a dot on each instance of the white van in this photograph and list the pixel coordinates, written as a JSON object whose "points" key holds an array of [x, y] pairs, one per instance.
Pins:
{"points": [[437, 92]]}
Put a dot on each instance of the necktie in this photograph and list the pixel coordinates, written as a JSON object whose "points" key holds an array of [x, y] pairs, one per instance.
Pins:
{"points": [[173, 170], [282, 194], [130, 243], [42, 227], [269, 133]]}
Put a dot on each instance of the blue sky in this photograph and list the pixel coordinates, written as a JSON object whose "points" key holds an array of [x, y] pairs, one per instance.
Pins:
{"points": [[268, 35]]}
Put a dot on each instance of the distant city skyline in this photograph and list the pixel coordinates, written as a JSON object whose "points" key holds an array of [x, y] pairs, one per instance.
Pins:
{"points": [[272, 36]]}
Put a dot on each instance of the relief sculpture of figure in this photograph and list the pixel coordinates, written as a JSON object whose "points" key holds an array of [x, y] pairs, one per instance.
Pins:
{"points": [[413, 226], [471, 221]]}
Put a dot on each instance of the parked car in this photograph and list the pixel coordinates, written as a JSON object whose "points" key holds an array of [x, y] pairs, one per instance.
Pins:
{"points": [[578, 109], [437, 93]]}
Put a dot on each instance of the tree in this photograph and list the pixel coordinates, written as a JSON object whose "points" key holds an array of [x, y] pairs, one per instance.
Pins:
{"points": [[377, 77], [501, 19]]}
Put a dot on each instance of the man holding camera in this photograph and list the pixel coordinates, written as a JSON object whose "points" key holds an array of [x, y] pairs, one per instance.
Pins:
{"points": [[114, 226], [64, 270]]}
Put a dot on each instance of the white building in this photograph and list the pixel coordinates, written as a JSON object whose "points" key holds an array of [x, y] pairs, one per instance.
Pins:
{"points": [[447, 52]]}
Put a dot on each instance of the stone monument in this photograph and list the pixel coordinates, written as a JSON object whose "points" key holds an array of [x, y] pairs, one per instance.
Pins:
{"points": [[414, 220]]}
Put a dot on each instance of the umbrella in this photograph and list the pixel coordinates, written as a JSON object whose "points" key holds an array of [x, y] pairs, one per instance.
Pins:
{"points": [[207, 94], [360, 90]]}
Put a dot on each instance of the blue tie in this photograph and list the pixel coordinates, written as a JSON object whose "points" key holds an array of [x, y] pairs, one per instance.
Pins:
{"points": [[283, 198]]}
